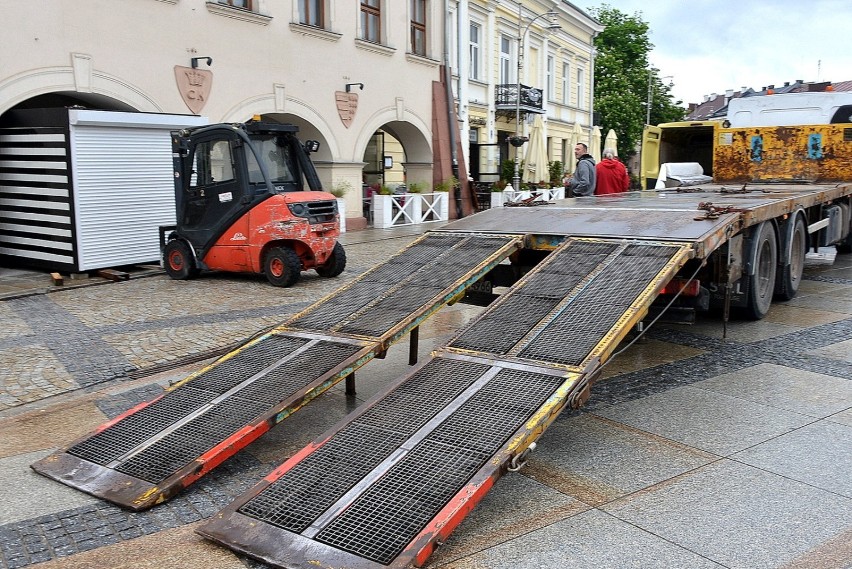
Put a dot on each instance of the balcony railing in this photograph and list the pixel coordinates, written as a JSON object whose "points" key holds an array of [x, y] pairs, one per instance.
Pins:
{"points": [[506, 99]]}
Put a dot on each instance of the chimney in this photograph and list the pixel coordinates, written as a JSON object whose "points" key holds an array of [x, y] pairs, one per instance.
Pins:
{"points": [[706, 98], [786, 83], [729, 95]]}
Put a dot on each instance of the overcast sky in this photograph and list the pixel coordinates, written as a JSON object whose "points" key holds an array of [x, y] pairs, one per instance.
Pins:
{"points": [[708, 46]]}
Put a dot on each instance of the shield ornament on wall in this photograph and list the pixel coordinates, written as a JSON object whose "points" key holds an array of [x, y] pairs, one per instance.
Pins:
{"points": [[194, 86], [347, 104]]}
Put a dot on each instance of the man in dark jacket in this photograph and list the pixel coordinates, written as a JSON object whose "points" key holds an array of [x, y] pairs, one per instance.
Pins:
{"points": [[582, 183]]}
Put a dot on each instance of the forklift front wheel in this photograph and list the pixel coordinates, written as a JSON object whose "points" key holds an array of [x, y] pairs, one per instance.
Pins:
{"points": [[178, 261], [282, 266], [335, 264]]}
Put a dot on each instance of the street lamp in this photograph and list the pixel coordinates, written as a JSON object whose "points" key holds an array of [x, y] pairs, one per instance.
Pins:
{"points": [[522, 32], [651, 92], [651, 72]]}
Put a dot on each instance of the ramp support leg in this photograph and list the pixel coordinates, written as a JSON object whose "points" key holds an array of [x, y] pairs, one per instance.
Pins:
{"points": [[414, 342], [350, 384]]}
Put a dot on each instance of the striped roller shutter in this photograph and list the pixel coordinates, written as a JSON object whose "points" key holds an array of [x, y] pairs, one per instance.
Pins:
{"points": [[35, 201]]}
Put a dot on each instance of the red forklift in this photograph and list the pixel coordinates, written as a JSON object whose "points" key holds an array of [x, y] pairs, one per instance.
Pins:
{"points": [[249, 200]]}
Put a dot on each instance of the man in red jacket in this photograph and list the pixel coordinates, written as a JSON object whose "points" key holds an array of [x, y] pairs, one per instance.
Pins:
{"points": [[611, 176]]}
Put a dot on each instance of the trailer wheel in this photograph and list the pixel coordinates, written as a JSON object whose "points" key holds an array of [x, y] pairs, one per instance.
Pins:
{"points": [[282, 266], [178, 262], [762, 283], [790, 275], [845, 246], [335, 264]]}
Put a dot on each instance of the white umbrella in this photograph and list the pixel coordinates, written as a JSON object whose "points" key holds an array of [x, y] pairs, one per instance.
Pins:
{"points": [[611, 140], [576, 136], [595, 146], [535, 161]]}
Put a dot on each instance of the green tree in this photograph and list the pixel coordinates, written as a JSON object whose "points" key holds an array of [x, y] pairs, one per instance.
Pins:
{"points": [[622, 77]]}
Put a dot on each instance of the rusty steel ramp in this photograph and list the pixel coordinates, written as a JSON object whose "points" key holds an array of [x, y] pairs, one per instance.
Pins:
{"points": [[392, 480], [156, 449]]}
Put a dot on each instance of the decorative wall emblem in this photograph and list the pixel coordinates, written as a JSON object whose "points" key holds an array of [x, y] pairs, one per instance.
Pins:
{"points": [[194, 86], [347, 104]]}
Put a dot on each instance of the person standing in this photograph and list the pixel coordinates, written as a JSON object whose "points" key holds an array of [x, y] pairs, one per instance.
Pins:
{"points": [[582, 183], [612, 177]]}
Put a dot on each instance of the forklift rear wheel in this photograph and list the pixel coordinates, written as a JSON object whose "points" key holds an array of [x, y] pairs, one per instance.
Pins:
{"points": [[282, 266], [335, 264], [178, 261]]}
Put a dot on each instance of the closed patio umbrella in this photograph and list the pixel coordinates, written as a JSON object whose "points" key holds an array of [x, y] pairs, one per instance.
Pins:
{"points": [[535, 161]]}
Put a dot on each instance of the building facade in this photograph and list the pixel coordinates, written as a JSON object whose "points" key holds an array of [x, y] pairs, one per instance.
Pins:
{"points": [[354, 76], [514, 61]]}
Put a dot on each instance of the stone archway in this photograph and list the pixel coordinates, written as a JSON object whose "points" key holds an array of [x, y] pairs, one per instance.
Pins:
{"points": [[78, 83]]}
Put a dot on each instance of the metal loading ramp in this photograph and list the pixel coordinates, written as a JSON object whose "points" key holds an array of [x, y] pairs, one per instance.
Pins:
{"points": [[156, 449], [394, 478]]}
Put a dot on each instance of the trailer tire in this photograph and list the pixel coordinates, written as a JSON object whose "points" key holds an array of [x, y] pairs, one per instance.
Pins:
{"points": [[282, 266], [335, 264], [178, 261], [790, 275], [762, 282], [845, 246]]}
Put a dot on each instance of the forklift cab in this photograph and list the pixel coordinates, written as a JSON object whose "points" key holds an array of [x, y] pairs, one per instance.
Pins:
{"points": [[222, 171]]}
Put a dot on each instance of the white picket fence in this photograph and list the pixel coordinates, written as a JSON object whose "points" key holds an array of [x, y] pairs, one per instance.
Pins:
{"points": [[409, 209]]}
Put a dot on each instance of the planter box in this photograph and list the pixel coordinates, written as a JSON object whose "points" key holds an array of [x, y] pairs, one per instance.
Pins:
{"points": [[434, 207], [341, 210], [389, 211]]}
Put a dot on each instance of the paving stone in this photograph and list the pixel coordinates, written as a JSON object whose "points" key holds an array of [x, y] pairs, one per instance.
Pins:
{"points": [[795, 390], [737, 515], [827, 446], [591, 540]]}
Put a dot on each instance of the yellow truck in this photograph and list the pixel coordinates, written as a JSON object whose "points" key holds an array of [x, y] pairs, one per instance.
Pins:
{"points": [[684, 153]]}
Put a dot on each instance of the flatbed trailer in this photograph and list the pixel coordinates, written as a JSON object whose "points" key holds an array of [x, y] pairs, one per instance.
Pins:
{"points": [[393, 479]]}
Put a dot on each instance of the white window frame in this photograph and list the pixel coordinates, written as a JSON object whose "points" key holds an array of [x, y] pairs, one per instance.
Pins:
{"points": [[475, 51], [566, 83], [550, 78], [581, 87], [506, 59]]}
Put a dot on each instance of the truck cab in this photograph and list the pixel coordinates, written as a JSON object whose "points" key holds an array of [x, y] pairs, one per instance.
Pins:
{"points": [[248, 199]]}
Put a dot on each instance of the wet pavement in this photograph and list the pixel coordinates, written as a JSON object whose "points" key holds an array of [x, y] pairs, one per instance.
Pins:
{"points": [[694, 451]]}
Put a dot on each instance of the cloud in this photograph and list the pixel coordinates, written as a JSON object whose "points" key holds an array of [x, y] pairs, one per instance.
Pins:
{"points": [[709, 46]]}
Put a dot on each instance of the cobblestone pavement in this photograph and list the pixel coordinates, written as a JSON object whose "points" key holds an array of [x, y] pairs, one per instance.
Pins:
{"points": [[694, 451], [70, 339]]}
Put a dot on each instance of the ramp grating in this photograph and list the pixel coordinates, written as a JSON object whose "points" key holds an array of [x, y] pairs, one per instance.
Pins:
{"points": [[300, 495], [390, 293], [574, 333], [386, 517], [566, 306]]}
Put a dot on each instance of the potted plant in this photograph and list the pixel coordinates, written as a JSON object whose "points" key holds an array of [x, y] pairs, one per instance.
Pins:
{"points": [[517, 141], [416, 187], [338, 190]]}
